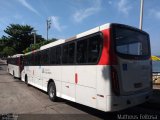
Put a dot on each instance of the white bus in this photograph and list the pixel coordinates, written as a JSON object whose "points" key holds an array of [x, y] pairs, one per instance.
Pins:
{"points": [[107, 68], [15, 65]]}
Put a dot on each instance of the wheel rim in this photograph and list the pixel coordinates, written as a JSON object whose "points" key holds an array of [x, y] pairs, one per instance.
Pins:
{"points": [[51, 92]]}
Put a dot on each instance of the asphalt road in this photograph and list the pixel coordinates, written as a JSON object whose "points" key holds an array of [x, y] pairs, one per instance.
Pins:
{"points": [[26, 103]]}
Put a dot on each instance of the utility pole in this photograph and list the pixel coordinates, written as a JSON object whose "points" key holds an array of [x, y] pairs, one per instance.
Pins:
{"points": [[34, 35], [48, 26], [141, 15]]}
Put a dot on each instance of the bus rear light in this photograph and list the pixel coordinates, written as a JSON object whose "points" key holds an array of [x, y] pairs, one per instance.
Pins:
{"points": [[115, 82], [113, 59]]}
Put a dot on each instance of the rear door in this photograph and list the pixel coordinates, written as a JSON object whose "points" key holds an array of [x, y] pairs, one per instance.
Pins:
{"points": [[133, 58]]}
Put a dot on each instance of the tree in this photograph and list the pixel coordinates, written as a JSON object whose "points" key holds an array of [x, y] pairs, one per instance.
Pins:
{"points": [[3, 42], [20, 37], [8, 51]]}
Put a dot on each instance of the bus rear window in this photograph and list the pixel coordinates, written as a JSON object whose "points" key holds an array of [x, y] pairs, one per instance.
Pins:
{"points": [[131, 42]]}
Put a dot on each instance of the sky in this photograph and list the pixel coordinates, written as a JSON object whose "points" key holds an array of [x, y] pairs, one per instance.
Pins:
{"points": [[71, 17]]}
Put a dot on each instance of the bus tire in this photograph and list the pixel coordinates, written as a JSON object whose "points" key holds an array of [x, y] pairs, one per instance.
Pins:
{"points": [[52, 91], [26, 80], [14, 75]]}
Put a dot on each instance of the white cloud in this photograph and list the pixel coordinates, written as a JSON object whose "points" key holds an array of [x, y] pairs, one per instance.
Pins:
{"points": [[155, 13], [28, 6], [81, 14], [124, 7], [56, 24]]}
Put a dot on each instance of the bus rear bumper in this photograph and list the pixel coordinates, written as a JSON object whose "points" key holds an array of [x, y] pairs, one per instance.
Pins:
{"points": [[117, 103]]}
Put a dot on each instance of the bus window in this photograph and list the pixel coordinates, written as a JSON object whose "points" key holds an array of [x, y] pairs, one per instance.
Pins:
{"points": [[37, 58], [132, 43], [65, 54], [45, 57], [71, 53], [94, 47], [58, 55], [81, 51], [52, 56]]}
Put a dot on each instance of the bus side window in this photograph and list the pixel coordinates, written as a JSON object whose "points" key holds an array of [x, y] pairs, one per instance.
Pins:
{"points": [[33, 58], [29, 60], [52, 53], [71, 53], [58, 55], [37, 59], [47, 57], [94, 47], [81, 51], [43, 57], [65, 54]]}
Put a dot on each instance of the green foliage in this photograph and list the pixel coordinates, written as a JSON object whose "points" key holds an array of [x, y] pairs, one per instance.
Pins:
{"points": [[20, 37], [8, 51]]}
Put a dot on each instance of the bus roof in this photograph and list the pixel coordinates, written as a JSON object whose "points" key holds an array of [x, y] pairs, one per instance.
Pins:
{"points": [[14, 56], [60, 41], [32, 52], [94, 30]]}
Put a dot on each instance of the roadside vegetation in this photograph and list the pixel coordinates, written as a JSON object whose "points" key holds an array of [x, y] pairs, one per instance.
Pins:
{"points": [[19, 39]]}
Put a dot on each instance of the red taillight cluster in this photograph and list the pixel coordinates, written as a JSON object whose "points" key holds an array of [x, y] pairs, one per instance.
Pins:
{"points": [[115, 82]]}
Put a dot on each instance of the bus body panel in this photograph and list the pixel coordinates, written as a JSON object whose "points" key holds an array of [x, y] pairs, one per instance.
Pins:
{"points": [[14, 69], [68, 73], [86, 96], [68, 91], [29, 75], [86, 85], [37, 76], [68, 82], [116, 103], [23, 75], [14, 65], [103, 86], [86, 75]]}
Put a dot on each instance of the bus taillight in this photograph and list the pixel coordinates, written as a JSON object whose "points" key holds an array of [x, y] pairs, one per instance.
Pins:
{"points": [[115, 82]]}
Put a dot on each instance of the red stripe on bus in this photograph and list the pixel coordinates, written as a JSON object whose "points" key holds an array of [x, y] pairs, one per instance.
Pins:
{"points": [[108, 56], [105, 59]]}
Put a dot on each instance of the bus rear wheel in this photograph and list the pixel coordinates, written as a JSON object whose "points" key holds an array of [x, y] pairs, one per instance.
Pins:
{"points": [[26, 80], [52, 91], [14, 75]]}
